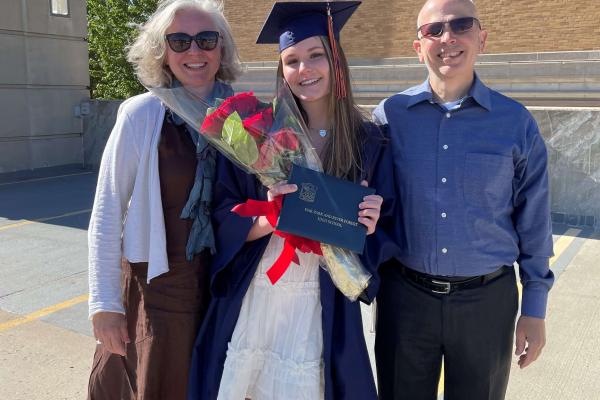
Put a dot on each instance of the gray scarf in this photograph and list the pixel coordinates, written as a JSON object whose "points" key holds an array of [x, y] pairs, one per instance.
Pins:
{"points": [[197, 207]]}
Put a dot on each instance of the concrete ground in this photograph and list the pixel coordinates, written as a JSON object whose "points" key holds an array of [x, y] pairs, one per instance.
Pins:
{"points": [[46, 344]]}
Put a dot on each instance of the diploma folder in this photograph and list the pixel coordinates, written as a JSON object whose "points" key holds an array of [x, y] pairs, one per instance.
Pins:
{"points": [[325, 209]]}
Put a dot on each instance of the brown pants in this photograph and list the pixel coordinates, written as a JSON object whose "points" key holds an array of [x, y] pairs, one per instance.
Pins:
{"points": [[163, 318]]}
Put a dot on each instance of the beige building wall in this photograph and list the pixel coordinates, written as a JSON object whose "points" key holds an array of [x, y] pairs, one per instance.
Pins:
{"points": [[386, 28], [43, 76]]}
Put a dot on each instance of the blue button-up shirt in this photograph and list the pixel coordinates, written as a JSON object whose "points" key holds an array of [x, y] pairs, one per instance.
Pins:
{"points": [[473, 188]]}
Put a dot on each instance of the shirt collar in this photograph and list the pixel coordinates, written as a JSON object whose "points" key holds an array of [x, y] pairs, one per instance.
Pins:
{"points": [[478, 92], [419, 94], [481, 94]]}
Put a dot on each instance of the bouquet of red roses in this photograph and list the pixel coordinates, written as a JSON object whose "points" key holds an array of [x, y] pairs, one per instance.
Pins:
{"points": [[265, 139]]}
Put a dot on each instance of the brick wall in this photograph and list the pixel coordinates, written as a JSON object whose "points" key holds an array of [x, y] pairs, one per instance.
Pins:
{"points": [[386, 28]]}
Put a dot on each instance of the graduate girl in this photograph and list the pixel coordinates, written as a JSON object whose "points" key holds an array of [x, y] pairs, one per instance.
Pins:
{"points": [[300, 338]]}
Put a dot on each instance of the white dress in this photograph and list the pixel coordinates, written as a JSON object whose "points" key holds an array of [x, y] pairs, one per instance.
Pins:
{"points": [[276, 351]]}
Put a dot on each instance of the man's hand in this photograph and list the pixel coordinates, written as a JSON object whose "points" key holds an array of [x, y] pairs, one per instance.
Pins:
{"points": [[530, 331], [110, 330]]}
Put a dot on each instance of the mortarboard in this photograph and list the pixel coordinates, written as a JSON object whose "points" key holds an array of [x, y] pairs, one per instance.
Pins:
{"points": [[289, 23]]}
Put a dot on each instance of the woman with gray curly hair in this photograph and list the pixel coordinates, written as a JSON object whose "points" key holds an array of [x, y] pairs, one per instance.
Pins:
{"points": [[150, 235]]}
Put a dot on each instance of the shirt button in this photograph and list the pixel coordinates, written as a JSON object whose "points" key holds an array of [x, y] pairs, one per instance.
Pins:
{"points": [[444, 250], [443, 215], [448, 115], [445, 147], [444, 180]]}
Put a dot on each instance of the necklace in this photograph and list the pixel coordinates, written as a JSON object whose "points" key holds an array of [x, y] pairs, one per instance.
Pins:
{"points": [[321, 132]]}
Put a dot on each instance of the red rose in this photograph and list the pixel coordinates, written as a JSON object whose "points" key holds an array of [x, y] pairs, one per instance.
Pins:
{"points": [[244, 103], [285, 139], [259, 124], [213, 123], [266, 151]]}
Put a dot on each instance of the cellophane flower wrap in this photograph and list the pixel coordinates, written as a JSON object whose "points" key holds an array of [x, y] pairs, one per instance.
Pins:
{"points": [[265, 139]]}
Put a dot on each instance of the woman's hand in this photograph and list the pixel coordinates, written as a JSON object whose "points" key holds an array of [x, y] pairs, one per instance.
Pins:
{"points": [[110, 330], [369, 210]]}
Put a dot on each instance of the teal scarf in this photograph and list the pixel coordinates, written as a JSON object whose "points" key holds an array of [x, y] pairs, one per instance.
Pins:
{"points": [[197, 207]]}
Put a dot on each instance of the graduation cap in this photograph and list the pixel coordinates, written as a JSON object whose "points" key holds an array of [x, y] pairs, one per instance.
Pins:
{"points": [[289, 23]]}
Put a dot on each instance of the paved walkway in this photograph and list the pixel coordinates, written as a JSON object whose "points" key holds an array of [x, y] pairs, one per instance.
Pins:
{"points": [[45, 338]]}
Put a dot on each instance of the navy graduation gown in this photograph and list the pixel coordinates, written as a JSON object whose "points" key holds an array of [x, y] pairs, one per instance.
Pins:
{"points": [[347, 367]]}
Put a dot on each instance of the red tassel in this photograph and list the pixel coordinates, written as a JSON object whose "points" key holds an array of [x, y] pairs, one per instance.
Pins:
{"points": [[340, 77]]}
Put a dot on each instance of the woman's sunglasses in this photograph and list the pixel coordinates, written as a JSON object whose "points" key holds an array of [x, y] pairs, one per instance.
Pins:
{"points": [[180, 42], [457, 26]]}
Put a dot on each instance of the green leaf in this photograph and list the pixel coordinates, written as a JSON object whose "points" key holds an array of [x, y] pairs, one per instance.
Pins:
{"points": [[226, 148], [243, 145]]}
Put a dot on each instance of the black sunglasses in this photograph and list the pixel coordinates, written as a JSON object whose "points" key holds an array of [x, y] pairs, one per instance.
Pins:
{"points": [[180, 42], [457, 26]]}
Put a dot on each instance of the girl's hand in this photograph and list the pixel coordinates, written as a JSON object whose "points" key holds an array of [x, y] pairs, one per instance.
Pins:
{"points": [[261, 226], [279, 189], [369, 210]]}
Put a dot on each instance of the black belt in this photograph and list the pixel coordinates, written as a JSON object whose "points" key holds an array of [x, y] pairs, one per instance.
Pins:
{"points": [[446, 285]]}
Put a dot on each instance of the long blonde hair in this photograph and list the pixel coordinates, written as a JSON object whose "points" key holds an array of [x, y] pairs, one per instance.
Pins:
{"points": [[342, 152]]}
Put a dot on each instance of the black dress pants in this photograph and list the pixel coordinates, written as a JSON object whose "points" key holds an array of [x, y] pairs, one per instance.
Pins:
{"points": [[471, 329]]}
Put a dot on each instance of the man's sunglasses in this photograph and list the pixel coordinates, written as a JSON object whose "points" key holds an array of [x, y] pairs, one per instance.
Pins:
{"points": [[458, 26], [180, 42]]}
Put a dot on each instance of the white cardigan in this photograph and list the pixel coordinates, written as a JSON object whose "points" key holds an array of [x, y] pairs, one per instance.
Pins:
{"points": [[127, 218]]}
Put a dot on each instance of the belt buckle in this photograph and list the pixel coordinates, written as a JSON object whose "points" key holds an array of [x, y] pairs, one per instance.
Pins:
{"points": [[446, 287]]}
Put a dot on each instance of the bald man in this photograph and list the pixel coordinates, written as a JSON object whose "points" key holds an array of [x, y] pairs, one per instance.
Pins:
{"points": [[471, 171]]}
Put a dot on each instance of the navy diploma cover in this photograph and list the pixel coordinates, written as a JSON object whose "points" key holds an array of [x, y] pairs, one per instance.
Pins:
{"points": [[325, 209]]}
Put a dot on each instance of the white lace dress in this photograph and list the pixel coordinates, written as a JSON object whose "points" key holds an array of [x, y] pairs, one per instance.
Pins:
{"points": [[277, 345]]}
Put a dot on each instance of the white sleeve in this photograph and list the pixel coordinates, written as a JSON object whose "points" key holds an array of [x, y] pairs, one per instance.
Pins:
{"points": [[115, 184]]}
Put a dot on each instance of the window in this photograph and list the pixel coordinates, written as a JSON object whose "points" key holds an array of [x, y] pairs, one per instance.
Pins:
{"points": [[59, 7]]}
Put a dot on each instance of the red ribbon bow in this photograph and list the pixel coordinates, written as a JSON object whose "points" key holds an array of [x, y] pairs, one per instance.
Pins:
{"points": [[271, 210]]}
